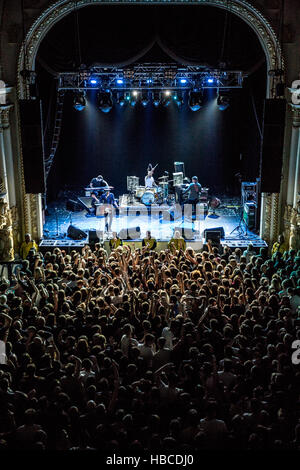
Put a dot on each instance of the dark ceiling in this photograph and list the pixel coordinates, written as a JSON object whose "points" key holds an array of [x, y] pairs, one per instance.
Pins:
{"points": [[117, 34]]}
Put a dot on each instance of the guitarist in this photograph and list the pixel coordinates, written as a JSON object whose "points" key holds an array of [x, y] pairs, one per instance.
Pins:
{"points": [[149, 180]]}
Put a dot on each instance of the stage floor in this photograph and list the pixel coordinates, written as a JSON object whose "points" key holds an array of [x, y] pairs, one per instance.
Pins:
{"points": [[227, 216]]}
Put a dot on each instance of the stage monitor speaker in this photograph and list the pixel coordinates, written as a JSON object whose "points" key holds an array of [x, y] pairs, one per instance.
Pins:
{"points": [[93, 237], [75, 233], [214, 234], [272, 145], [73, 206], [32, 146], [131, 233], [86, 201]]}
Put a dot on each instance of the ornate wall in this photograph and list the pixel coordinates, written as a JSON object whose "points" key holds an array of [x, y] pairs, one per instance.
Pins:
{"points": [[278, 211]]}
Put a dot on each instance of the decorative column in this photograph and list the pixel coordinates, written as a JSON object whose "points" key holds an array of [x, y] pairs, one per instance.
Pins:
{"points": [[6, 232], [293, 154], [8, 153], [4, 110]]}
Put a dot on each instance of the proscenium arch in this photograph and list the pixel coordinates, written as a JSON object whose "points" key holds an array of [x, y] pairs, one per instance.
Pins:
{"points": [[62, 8]]}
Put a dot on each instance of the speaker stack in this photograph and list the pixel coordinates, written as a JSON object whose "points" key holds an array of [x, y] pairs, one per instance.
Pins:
{"points": [[75, 233]]}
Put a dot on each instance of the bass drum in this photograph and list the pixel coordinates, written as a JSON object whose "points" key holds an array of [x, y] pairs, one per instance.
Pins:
{"points": [[148, 198]]}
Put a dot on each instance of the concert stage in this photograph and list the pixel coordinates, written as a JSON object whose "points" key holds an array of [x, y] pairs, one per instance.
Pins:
{"points": [[161, 220]]}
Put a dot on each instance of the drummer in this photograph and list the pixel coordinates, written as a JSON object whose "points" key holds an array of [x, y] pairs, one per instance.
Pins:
{"points": [[149, 181]]}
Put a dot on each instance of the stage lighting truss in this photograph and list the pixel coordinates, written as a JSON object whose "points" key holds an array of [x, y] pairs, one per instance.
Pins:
{"points": [[150, 77]]}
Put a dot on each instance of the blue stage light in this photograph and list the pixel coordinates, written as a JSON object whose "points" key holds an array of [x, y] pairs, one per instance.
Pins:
{"points": [[133, 98], [178, 98], [156, 99], [223, 101], [121, 99], [93, 81], [79, 102], [145, 99], [149, 80], [183, 81], [210, 80], [195, 100], [105, 102], [120, 81]]}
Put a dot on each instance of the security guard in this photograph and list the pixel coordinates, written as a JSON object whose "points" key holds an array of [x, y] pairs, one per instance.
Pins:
{"points": [[149, 242]]}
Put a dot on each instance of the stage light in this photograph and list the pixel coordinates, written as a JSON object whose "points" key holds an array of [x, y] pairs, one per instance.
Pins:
{"points": [[195, 100], [156, 99], [127, 96], [183, 81], [166, 100], [121, 99], [94, 81], [149, 80], [133, 98], [210, 80], [145, 99], [120, 81], [223, 101], [178, 98], [105, 102], [79, 102]]}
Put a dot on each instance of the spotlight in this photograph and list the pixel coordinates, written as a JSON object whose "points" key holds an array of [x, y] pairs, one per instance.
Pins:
{"points": [[105, 102], [178, 98], [223, 101], [120, 81], [79, 101], [93, 81], [145, 99], [156, 99], [183, 81], [121, 99], [149, 80], [127, 96], [195, 100], [133, 98], [211, 81], [166, 100]]}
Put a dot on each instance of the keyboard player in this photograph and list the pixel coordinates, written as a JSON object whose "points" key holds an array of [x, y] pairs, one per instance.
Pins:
{"points": [[98, 182]]}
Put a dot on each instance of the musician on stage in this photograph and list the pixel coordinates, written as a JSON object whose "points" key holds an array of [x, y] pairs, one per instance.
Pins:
{"points": [[149, 242], [194, 190], [149, 180], [109, 199], [98, 182]]}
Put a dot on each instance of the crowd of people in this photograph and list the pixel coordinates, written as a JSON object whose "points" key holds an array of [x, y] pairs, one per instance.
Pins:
{"points": [[143, 350]]}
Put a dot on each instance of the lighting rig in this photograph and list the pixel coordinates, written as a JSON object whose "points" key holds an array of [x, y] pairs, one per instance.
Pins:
{"points": [[156, 83]]}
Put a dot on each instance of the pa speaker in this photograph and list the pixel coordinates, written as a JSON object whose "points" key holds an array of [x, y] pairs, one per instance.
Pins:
{"points": [[130, 233], [214, 234], [272, 145], [32, 146], [75, 233]]}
